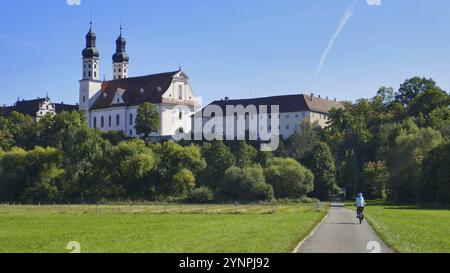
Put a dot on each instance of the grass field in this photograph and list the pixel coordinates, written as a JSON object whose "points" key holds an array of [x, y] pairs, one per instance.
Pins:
{"points": [[156, 228], [409, 229]]}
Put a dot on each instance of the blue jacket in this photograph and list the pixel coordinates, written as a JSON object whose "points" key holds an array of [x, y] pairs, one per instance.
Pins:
{"points": [[360, 202]]}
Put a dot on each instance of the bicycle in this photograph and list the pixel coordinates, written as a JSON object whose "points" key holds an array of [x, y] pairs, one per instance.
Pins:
{"points": [[360, 211]]}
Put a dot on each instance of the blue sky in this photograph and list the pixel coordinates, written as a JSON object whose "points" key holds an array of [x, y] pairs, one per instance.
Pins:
{"points": [[235, 48]]}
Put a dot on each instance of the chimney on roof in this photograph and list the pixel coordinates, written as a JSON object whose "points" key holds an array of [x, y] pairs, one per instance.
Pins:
{"points": [[327, 98], [334, 99], [227, 98], [319, 96], [312, 96]]}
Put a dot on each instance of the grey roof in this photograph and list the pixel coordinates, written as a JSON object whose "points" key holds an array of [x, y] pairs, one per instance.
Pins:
{"points": [[286, 103]]}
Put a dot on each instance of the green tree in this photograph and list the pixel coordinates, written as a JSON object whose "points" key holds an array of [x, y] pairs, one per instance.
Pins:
{"points": [[304, 140], [131, 164], [172, 159], [30, 176], [147, 119], [289, 178], [427, 101], [435, 181], [86, 163], [184, 181], [244, 154], [320, 161], [404, 160], [412, 87], [440, 118], [218, 159], [6, 136], [247, 184]]}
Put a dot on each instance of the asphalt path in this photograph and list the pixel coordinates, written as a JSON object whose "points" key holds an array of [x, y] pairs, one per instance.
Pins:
{"points": [[340, 232]]}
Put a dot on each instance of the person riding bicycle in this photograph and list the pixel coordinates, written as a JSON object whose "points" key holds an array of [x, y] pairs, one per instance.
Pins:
{"points": [[360, 204]]}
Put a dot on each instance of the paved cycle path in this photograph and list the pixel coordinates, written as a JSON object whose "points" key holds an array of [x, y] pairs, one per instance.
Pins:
{"points": [[341, 232]]}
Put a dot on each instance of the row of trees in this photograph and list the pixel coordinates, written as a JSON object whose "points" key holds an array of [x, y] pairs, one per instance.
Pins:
{"points": [[390, 146], [59, 159]]}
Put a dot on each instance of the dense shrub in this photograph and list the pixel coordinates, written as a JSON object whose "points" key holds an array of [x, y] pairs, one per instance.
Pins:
{"points": [[289, 178], [200, 195], [247, 184]]}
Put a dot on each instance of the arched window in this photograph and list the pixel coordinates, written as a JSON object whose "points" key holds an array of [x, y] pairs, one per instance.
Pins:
{"points": [[131, 118], [95, 122], [117, 120], [180, 115], [102, 122]]}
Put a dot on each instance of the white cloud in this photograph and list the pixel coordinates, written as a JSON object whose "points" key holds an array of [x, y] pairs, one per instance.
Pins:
{"points": [[347, 15], [374, 2]]}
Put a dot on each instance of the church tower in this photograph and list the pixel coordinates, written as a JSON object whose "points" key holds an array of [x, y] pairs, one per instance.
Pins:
{"points": [[120, 58], [90, 83]]}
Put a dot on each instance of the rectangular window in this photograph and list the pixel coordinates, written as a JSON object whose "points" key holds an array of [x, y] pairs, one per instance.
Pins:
{"points": [[180, 92], [109, 121], [131, 119]]}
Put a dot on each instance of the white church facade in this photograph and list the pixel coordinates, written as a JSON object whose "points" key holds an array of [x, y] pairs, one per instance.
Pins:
{"points": [[113, 105]]}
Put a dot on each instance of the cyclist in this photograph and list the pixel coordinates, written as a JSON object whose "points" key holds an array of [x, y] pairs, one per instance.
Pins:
{"points": [[360, 204]]}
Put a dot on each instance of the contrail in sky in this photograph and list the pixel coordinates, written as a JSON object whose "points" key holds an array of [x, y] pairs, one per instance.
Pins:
{"points": [[15, 41], [347, 15]]}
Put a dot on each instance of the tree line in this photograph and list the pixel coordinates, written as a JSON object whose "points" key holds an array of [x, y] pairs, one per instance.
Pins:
{"points": [[393, 146], [60, 159]]}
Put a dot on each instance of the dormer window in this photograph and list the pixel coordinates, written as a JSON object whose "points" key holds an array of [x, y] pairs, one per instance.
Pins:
{"points": [[118, 100]]}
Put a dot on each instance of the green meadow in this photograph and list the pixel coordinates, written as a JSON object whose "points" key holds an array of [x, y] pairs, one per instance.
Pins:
{"points": [[156, 228], [411, 229]]}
